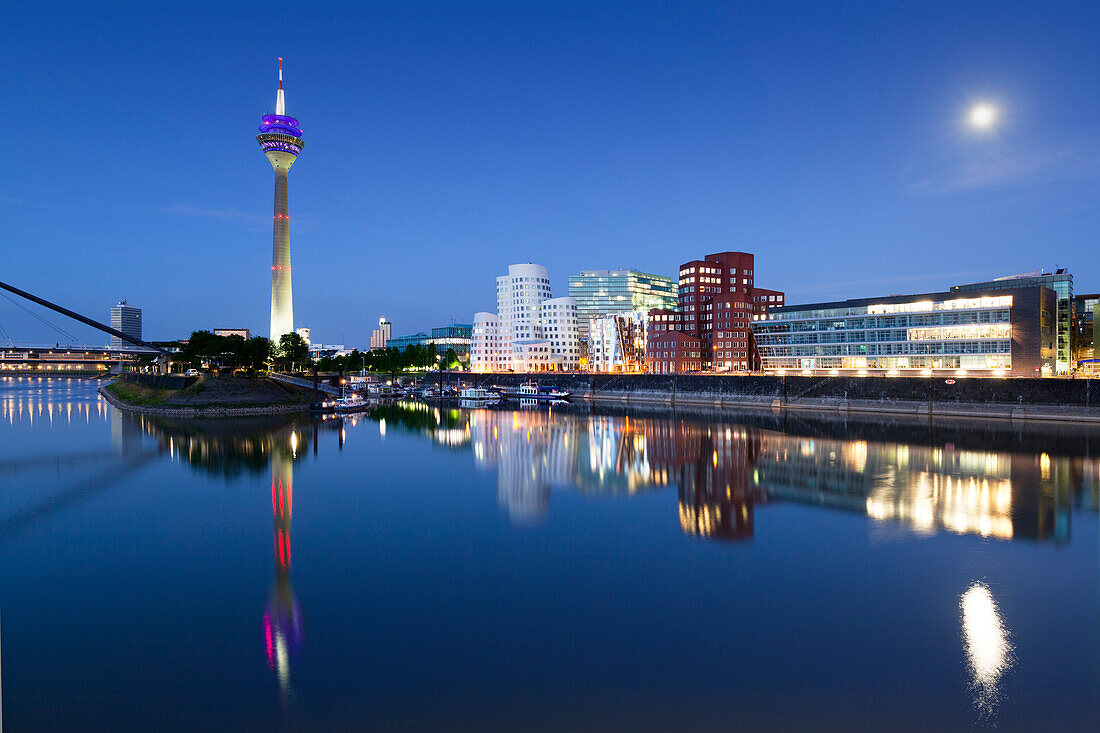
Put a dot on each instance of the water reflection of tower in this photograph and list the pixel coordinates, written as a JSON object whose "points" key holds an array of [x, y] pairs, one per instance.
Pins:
{"points": [[282, 617]]}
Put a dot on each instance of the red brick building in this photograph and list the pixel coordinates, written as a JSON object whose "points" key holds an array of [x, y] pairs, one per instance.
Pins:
{"points": [[717, 300], [668, 349]]}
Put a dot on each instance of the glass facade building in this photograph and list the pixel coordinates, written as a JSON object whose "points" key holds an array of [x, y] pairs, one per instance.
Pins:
{"points": [[994, 332], [1083, 336], [1061, 282], [606, 292], [455, 336]]}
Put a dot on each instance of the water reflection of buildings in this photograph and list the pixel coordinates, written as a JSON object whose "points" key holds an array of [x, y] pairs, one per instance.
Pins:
{"points": [[710, 466], [722, 471], [1001, 495]]}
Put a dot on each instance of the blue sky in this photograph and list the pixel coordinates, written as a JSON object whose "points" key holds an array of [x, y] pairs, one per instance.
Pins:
{"points": [[447, 140]]}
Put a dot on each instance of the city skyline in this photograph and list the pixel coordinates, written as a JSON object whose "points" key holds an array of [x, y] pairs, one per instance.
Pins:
{"points": [[577, 137]]}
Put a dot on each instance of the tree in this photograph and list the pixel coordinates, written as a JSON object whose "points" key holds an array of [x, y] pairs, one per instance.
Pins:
{"points": [[255, 353], [292, 349]]}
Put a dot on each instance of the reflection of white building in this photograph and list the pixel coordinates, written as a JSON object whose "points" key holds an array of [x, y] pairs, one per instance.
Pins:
{"points": [[531, 330], [535, 451], [532, 451], [616, 343]]}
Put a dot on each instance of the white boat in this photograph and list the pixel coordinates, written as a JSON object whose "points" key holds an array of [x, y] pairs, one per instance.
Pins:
{"points": [[531, 391], [479, 395], [353, 402]]}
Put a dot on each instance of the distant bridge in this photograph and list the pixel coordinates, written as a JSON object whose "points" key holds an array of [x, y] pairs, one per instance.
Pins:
{"points": [[60, 360], [84, 357]]}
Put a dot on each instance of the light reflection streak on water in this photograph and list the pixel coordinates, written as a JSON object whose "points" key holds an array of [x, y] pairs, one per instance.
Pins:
{"points": [[987, 645]]}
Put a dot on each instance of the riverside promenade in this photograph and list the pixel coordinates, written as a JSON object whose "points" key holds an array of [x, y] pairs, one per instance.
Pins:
{"points": [[1009, 398]]}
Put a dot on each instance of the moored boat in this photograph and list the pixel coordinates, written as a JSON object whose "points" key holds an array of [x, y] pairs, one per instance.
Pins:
{"points": [[478, 396], [532, 391]]}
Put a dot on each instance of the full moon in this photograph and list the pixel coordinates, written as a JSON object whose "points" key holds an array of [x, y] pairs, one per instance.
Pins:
{"points": [[982, 116]]}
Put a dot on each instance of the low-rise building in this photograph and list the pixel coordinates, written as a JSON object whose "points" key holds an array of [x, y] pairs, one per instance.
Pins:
{"points": [[242, 332], [616, 343], [671, 351], [992, 332]]}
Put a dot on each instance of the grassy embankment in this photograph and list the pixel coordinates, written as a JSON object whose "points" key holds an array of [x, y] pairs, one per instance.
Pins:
{"points": [[211, 392]]}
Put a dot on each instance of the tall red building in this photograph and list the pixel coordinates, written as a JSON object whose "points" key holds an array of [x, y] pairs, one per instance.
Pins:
{"points": [[717, 300]]}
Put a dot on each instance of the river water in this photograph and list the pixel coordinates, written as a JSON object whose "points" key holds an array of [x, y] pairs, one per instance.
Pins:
{"points": [[573, 568]]}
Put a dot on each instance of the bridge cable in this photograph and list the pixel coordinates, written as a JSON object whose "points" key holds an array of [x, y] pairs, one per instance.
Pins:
{"points": [[74, 341]]}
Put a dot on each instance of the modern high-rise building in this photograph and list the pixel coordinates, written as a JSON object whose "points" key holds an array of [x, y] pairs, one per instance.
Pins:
{"points": [[1061, 282], [380, 335], [281, 140], [304, 332], [531, 330], [125, 318], [605, 292], [711, 328]]}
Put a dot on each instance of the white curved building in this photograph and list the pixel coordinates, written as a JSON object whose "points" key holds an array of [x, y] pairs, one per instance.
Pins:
{"points": [[532, 331]]}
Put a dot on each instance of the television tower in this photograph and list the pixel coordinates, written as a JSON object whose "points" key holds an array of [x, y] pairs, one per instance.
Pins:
{"points": [[281, 140]]}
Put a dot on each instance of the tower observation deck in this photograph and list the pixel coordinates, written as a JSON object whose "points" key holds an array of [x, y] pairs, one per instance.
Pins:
{"points": [[281, 140]]}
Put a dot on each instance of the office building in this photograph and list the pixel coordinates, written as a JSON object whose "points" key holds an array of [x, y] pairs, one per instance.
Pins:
{"points": [[381, 335], [616, 343], [1083, 334], [456, 336], [242, 332], [125, 318], [531, 330], [986, 332], [281, 140], [1061, 282], [718, 298], [604, 292]]}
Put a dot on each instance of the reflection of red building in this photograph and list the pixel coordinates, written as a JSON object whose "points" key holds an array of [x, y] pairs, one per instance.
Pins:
{"points": [[717, 300], [711, 466]]}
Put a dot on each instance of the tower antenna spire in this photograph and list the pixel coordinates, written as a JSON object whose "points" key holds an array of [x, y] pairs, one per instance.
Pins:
{"points": [[280, 102]]}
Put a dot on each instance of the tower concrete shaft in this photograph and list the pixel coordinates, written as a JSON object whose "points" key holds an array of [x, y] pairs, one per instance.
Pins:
{"points": [[281, 140], [282, 294]]}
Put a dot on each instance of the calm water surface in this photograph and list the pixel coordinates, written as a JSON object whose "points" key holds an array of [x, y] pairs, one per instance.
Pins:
{"points": [[420, 568]]}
